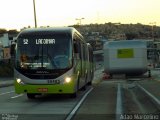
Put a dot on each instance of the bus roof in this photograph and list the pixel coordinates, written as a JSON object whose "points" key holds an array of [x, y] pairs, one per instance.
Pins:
{"points": [[69, 30]]}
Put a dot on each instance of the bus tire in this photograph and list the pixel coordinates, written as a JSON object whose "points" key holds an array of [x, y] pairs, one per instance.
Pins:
{"points": [[73, 95], [85, 85], [91, 78], [90, 83], [83, 88], [31, 96]]}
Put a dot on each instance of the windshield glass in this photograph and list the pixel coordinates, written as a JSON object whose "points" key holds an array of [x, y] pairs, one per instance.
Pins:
{"points": [[47, 51]]}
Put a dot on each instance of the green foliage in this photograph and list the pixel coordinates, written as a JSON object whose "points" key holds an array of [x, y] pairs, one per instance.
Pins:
{"points": [[131, 36], [2, 31], [131, 31]]}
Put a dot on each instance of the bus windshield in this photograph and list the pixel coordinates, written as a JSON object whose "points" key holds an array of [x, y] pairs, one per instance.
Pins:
{"points": [[43, 51]]}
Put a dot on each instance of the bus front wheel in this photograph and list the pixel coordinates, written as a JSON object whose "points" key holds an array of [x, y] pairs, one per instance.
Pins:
{"points": [[31, 96], [73, 95]]}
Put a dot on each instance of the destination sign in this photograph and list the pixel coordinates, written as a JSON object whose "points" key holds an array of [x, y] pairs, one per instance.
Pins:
{"points": [[40, 41], [45, 41]]}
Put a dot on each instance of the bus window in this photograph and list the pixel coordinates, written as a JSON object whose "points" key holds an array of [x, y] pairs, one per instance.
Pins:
{"points": [[77, 49]]}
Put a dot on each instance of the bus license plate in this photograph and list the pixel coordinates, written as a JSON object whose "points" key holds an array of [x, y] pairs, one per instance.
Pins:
{"points": [[53, 81], [42, 89]]}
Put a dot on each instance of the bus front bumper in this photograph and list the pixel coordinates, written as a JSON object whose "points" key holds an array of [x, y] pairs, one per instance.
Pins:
{"points": [[54, 89]]}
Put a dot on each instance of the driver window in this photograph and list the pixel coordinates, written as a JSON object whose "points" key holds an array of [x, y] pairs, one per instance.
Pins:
{"points": [[23, 60]]}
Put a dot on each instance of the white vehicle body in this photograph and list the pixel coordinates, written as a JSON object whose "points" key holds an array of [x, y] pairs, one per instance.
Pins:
{"points": [[125, 57]]}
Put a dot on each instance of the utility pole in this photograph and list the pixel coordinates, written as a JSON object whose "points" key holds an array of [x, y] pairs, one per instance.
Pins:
{"points": [[35, 20], [79, 20], [153, 24], [155, 45]]}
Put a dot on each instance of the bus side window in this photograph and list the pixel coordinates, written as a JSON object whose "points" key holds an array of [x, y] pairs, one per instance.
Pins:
{"points": [[76, 48]]}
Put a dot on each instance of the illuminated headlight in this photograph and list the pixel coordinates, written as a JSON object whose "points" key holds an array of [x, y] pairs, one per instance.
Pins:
{"points": [[67, 80], [19, 81]]}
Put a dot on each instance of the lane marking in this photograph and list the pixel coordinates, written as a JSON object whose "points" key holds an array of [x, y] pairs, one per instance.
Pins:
{"points": [[17, 96], [6, 93], [119, 103], [72, 113], [156, 100]]}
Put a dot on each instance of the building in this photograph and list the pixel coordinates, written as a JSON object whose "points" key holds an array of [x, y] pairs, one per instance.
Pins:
{"points": [[6, 53], [6, 40], [117, 36]]}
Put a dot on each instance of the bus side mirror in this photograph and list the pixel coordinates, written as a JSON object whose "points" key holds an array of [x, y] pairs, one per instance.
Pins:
{"points": [[12, 50]]}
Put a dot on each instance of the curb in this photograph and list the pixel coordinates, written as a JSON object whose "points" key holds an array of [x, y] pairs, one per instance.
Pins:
{"points": [[6, 83]]}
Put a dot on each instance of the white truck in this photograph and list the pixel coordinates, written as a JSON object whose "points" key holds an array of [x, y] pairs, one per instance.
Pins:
{"points": [[127, 57]]}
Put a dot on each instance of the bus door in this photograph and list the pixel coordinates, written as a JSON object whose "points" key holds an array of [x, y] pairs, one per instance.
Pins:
{"points": [[82, 61], [78, 57], [83, 65]]}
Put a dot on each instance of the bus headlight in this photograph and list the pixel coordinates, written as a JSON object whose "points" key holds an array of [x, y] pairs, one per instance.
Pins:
{"points": [[67, 80], [19, 81]]}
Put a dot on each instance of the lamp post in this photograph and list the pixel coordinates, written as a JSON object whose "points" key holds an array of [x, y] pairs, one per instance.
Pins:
{"points": [[153, 24], [155, 45], [35, 19], [79, 20]]}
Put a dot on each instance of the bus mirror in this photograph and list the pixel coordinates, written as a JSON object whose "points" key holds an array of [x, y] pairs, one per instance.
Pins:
{"points": [[12, 50]]}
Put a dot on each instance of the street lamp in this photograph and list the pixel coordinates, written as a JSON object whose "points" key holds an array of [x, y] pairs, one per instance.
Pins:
{"points": [[155, 45], [79, 20], [153, 24], [35, 20]]}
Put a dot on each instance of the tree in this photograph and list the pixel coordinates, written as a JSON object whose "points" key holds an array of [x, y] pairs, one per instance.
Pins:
{"points": [[2, 31], [131, 35]]}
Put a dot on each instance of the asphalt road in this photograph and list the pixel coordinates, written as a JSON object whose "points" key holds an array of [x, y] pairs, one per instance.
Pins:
{"points": [[102, 102], [48, 107]]}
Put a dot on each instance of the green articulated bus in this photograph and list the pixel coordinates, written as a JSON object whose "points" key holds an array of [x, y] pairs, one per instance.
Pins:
{"points": [[52, 60]]}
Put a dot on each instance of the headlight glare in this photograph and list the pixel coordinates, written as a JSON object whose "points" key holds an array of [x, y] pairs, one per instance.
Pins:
{"points": [[67, 79], [19, 81]]}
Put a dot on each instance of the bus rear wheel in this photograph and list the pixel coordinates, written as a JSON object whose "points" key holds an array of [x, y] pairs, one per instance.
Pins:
{"points": [[89, 83], [31, 96]]}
